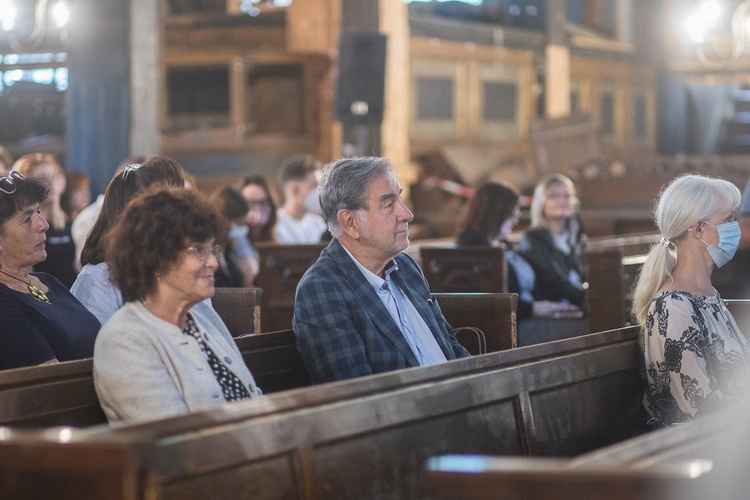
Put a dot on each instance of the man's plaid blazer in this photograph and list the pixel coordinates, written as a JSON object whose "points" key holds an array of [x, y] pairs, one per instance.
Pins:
{"points": [[343, 329]]}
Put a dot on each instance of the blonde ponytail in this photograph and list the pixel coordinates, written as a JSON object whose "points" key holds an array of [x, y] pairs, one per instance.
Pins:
{"points": [[686, 199]]}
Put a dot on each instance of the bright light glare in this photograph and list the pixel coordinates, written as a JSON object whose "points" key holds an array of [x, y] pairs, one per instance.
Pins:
{"points": [[696, 28], [710, 11], [61, 14], [45, 76], [7, 15], [472, 2]]}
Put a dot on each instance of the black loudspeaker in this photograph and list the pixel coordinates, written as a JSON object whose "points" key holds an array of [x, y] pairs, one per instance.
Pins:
{"points": [[361, 82]]}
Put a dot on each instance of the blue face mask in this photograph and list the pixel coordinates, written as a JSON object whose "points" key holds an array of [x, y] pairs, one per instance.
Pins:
{"points": [[729, 240]]}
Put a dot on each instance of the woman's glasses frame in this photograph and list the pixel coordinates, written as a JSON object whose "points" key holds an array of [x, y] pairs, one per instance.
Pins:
{"points": [[8, 182], [203, 251]]}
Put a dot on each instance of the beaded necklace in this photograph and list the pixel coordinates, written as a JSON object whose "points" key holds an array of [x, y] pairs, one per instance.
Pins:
{"points": [[34, 291]]}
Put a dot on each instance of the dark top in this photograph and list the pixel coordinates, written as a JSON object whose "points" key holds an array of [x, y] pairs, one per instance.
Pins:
{"points": [[552, 266], [61, 254], [32, 332], [228, 274], [525, 308]]}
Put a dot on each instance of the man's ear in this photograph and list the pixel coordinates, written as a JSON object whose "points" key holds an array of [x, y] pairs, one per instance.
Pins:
{"points": [[349, 223]]}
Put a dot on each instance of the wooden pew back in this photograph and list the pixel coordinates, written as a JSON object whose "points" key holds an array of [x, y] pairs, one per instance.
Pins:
{"points": [[613, 267], [281, 268], [64, 394], [239, 309], [274, 361], [607, 295], [561, 398], [482, 322], [464, 268], [51, 395], [740, 309], [703, 459]]}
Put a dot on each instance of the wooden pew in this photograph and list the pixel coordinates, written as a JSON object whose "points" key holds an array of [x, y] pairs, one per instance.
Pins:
{"points": [[607, 294], [363, 438], [64, 394], [731, 279], [47, 396], [740, 309], [613, 267], [482, 322], [503, 478], [274, 361], [703, 459], [281, 268], [239, 309], [464, 268]]}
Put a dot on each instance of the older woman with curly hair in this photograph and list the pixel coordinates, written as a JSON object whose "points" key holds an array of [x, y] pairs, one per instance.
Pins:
{"points": [[93, 287], [159, 355]]}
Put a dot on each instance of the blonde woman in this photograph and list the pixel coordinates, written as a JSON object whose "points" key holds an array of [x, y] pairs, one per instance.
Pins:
{"points": [[555, 243], [696, 358]]}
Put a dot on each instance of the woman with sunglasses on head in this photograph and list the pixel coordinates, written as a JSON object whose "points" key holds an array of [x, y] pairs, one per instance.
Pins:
{"points": [[697, 360], [42, 322], [93, 287], [159, 355], [555, 243]]}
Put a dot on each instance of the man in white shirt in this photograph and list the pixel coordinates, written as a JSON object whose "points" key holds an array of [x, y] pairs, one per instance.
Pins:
{"points": [[297, 221]]}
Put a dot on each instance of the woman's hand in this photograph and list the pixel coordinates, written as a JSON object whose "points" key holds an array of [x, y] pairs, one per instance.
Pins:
{"points": [[547, 309]]}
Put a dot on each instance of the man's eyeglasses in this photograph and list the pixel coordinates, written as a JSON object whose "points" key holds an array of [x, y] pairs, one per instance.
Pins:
{"points": [[203, 251], [8, 182]]}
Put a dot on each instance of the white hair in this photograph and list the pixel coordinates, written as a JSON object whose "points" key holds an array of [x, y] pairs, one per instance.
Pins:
{"points": [[686, 199]]}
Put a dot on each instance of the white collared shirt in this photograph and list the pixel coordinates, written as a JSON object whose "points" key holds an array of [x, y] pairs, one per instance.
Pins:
{"points": [[413, 327]]}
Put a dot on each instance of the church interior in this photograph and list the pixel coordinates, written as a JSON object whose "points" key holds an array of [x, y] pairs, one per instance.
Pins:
{"points": [[621, 97]]}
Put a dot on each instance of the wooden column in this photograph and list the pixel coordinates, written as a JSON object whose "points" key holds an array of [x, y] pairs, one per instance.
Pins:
{"points": [[146, 76], [557, 67], [313, 28], [394, 23]]}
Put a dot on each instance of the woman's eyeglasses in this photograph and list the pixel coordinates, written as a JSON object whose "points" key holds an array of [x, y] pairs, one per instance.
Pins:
{"points": [[559, 196], [8, 182], [203, 251], [258, 203]]}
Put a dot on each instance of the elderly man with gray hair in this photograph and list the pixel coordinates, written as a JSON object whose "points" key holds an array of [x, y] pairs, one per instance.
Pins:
{"points": [[364, 307]]}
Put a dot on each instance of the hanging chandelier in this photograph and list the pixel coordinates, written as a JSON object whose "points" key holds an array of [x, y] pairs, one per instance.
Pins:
{"points": [[719, 30], [26, 33]]}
